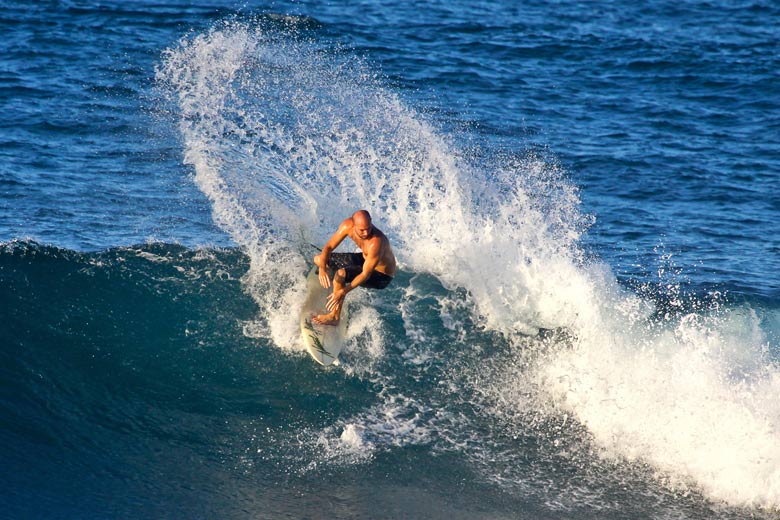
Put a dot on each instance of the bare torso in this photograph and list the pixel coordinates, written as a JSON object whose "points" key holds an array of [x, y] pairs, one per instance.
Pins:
{"points": [[386, 263]]}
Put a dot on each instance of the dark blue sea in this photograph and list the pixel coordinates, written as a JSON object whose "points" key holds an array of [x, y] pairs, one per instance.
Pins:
{"points": [[583, 197]]}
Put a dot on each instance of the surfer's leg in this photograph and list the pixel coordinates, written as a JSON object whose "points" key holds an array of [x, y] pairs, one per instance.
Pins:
{"points": [[339, 279]]}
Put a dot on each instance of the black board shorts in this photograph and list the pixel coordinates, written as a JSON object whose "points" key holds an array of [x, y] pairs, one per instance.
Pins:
{"points": [[352, 263]]}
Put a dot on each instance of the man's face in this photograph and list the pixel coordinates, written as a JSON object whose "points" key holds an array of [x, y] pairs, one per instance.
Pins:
{"points": [[363, 228]]}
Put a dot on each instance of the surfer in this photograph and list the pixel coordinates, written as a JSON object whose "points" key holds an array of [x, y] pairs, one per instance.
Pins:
{"points": [[374, 268]]}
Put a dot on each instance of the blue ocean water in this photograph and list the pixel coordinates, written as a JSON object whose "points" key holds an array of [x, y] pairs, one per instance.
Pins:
{"points": [[583, 198]]}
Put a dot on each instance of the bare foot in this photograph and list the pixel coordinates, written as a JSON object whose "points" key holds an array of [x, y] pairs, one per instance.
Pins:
{"points": [[325, 319]]}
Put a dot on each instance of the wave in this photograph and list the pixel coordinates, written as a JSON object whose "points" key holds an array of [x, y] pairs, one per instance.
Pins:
{"points": [[119, 354], [287, 136]]}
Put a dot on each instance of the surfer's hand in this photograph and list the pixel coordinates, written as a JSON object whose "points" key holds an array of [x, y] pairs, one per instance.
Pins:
{"points": [[334, 298], [324, 278]]}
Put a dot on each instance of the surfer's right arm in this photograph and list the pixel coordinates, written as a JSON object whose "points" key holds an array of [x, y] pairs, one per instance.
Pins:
{"points": [[321, 260]]}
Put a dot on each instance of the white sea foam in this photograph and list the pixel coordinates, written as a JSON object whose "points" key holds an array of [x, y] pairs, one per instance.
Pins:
{"points": [[279, 133], [696, 400], [395, 421], [365, 337]]}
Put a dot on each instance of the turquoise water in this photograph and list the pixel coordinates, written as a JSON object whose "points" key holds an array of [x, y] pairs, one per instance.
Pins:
{"points": [[583, 200]]}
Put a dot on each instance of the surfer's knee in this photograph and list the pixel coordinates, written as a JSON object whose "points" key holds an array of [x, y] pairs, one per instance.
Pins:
{"points": [[341, 275], [316, 259]]}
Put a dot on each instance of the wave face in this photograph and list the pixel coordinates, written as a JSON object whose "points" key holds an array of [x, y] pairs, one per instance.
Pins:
{"points": [[529, 340], [135, 377]]}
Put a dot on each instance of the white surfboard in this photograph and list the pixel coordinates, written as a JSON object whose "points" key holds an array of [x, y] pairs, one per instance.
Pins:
{"points": [[323, 342]]}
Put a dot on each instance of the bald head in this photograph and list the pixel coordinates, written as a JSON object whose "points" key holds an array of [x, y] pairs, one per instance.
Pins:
{"points": [[361, 215], [362, 223]]}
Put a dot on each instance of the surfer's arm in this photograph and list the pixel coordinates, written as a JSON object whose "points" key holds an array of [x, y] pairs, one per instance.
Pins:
{"points": [[369, 265], [322, 259]]}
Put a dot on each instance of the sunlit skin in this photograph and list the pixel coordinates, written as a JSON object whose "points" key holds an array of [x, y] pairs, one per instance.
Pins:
{"points": [[377, 254]]}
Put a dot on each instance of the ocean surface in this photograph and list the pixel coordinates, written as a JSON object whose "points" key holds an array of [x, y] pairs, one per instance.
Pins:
{"points": [[583, 197]]}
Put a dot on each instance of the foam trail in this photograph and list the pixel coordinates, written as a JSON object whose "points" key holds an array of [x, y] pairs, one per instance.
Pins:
{"points": [[286, 139]]}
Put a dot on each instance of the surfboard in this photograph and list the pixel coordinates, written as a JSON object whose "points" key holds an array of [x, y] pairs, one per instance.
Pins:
{"points": [[323, 342]]}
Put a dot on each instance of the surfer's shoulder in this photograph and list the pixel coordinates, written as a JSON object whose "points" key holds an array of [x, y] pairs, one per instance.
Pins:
{"points": [[346, 227]]}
